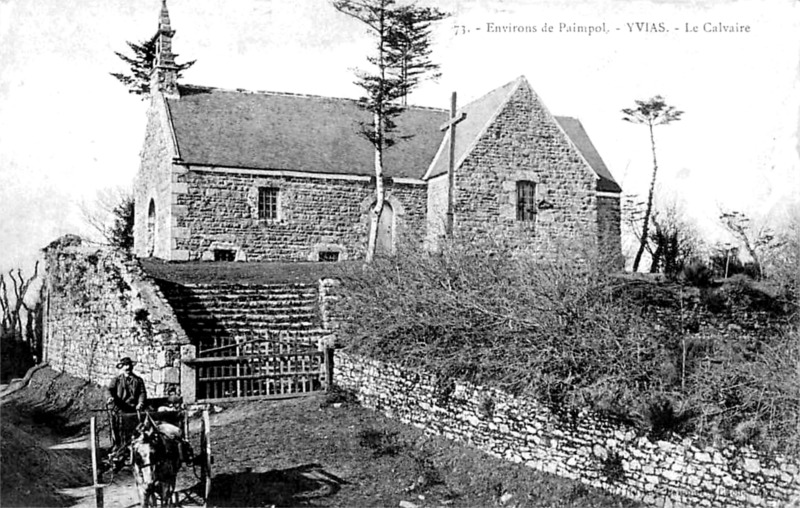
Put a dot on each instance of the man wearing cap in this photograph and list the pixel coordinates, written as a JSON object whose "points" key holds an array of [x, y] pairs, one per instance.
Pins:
{"points": [[127, 395], [127, 389]]}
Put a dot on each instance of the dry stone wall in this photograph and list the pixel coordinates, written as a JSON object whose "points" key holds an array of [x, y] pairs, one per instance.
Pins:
{"points": [[582, 446], [100, 307]]}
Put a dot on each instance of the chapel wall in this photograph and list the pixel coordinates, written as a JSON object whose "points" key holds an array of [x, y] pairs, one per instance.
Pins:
{"points": [[219, 211], [154, 183], [437, 209], [524, 142], [609, 216]]}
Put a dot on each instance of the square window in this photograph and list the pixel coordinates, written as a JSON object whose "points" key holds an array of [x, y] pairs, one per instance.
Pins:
{"points": [[526, 201], [328, 256], [267, 203], [224, 255]]}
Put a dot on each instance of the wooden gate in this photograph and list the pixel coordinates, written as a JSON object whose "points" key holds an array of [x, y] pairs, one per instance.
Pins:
{"points": [[262, 368]]}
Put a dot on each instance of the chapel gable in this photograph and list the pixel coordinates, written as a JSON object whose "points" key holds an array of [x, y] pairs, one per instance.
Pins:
{"points": [[519, 176]]}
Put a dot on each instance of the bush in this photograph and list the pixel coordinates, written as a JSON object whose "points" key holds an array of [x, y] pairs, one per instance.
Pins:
{"points": [[561, 331], [697, 274], [569, 335], [722, 265], [612, 467], [664, 420]]}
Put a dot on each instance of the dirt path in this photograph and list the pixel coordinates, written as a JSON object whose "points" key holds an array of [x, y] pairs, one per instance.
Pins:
{"points": [[121, 493], [119, 490], [307, 452]]}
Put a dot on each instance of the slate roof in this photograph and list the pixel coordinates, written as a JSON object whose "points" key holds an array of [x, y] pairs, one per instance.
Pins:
{"points": [[266, 130], [578, 135], [291, 132]]}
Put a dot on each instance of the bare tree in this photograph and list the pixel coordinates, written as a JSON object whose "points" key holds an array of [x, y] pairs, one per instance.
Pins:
{"points": [[13, 304], [755, 238], [400, 61], [783, 261], [672, 239], [652, 112], [111, 216], [675, 239]]}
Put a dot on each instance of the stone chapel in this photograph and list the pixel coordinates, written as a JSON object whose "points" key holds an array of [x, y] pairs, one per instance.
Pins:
{"points": [[234, 175]]}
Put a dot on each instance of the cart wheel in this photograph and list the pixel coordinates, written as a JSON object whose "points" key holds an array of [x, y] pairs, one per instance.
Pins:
{"points": [[205, 457]]}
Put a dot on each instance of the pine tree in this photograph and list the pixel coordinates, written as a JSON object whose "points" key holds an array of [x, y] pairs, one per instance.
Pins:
{"points": [[141, 64], [120, 234], [401, 60]]}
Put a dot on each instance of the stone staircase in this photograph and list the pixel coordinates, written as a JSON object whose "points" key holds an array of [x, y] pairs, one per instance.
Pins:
{"points": [[218, 313]]}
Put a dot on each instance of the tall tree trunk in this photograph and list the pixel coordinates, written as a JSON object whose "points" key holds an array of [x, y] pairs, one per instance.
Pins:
{"points": [[656, 262], [378, 125], [380, 194], [649, 209]]}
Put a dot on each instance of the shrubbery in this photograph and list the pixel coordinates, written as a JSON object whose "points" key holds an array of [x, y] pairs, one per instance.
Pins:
{"points": [[571, 336]]}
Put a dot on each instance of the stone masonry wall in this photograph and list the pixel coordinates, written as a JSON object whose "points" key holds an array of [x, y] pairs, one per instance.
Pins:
{"points": [[154, 182], [100, 307], [609, 231], [585, 447], [314, 215], [411, 222], [437, 209], [525, 143]]}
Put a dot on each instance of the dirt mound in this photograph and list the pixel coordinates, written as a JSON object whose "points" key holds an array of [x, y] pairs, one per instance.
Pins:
{"points": [[50, 409], [33, 474], [60, 402]]}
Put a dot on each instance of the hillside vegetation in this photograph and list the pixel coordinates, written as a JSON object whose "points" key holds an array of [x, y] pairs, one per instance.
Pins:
{"points": [[717, 361]]}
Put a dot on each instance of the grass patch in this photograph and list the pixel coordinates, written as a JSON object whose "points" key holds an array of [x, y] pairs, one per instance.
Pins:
{"points": [[381, 442]]}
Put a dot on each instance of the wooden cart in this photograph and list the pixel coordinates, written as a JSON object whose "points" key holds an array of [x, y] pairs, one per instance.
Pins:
{"points": [[160, 410]]}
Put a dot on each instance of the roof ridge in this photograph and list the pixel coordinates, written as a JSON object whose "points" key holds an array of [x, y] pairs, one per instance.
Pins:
{"points": [[295, 94], [513, 81]]}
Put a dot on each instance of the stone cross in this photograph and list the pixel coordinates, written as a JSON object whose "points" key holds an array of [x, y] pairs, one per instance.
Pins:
{"points": [[450, 126]]}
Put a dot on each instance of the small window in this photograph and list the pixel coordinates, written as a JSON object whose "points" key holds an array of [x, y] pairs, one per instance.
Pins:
{"points": [[267, 203], [224, 255], [526, 201], [328, 256]]}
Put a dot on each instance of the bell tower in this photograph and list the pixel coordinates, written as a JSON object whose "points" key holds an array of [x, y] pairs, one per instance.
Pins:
{"points": [[164, 78]]}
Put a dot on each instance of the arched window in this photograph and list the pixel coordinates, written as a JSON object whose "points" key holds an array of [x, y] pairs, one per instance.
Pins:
{"points": [[151, 228]]}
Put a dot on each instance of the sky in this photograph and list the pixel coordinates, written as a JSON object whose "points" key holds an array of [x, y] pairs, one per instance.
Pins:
{"points": [[68, 130]]}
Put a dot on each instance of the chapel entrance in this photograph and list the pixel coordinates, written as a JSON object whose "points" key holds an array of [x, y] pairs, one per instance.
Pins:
{"points": [[385, 240]]}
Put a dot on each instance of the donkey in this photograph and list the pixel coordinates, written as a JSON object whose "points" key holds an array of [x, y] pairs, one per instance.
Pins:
{"points": [[156, 461]]}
